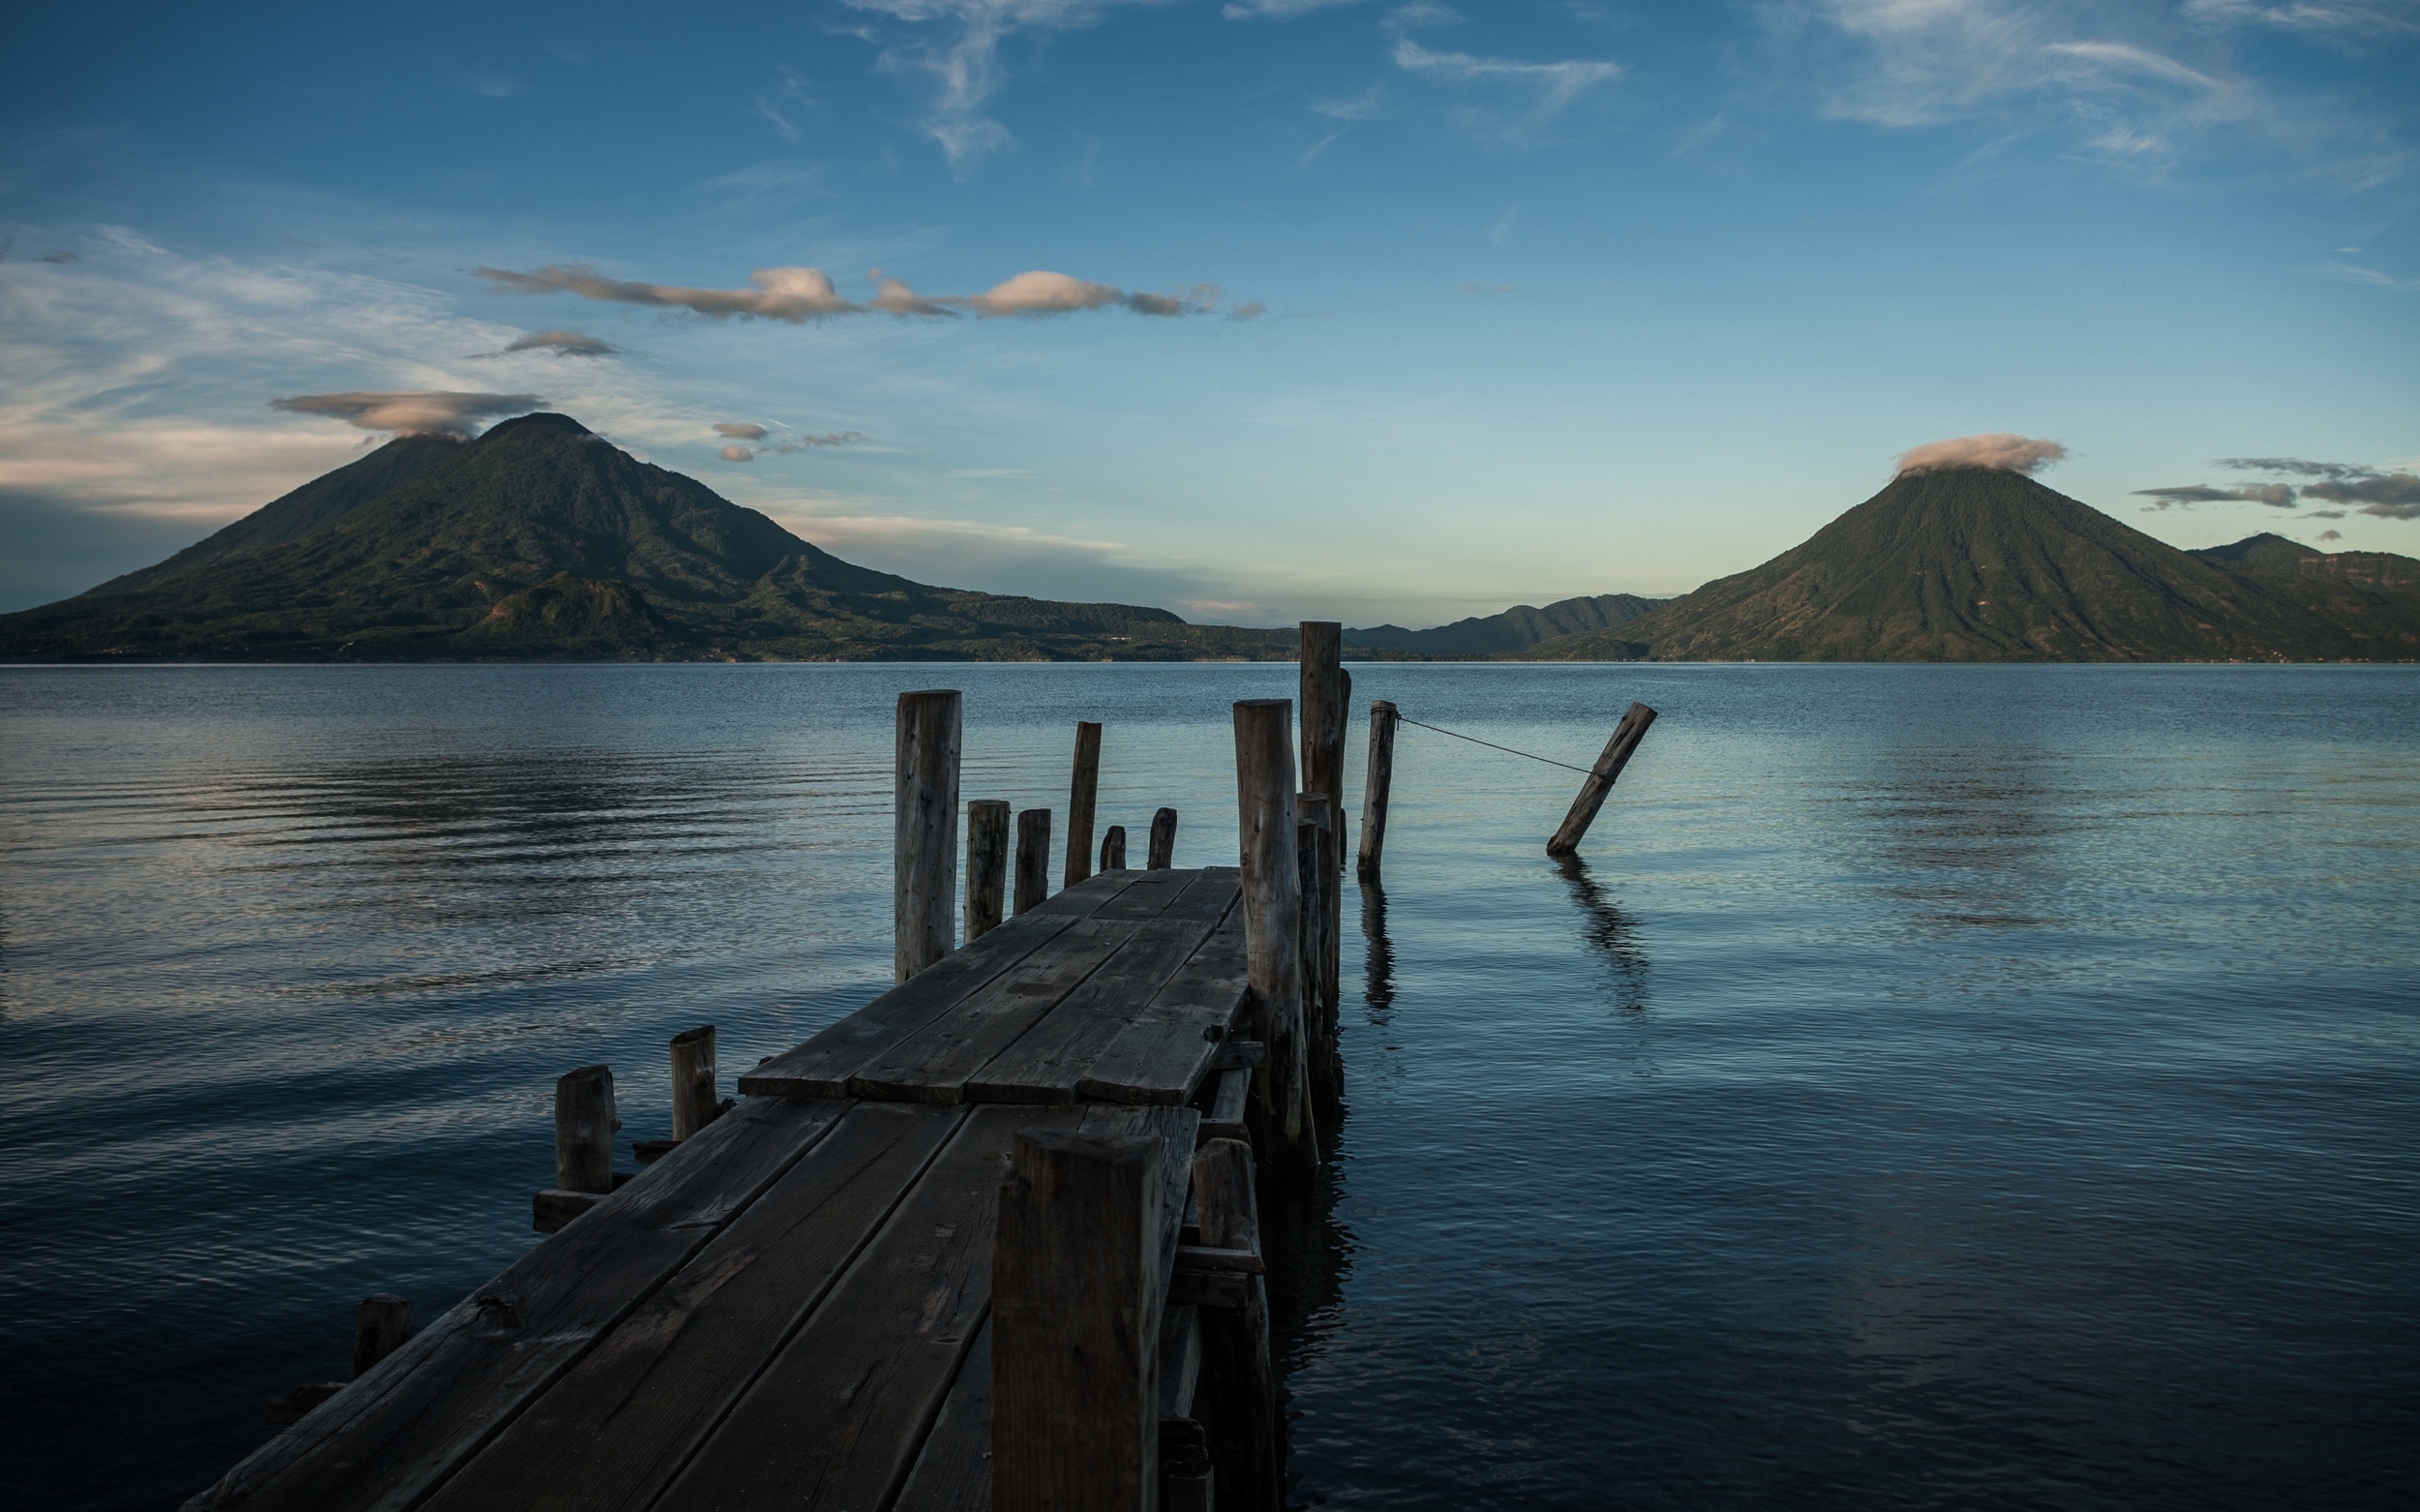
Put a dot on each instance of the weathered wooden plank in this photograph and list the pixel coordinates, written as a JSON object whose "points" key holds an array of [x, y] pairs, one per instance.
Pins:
{"points": [[1150, 894], [1046, 1062], [820, 1067], [623, 1421], [933, 1065], [423, 1411], [836, 1418], [1225, 1118], [952, 1471], [1163, 1054]]}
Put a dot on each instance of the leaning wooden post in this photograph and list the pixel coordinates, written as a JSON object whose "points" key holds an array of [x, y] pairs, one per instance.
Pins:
{"points": [[1163, 840], [1113, 848], [1600, 779], [1081, 793], [1373, 791], [1237, 1400], [925, 850], [693, 1104], [1033, 858], [1076, 1301], [583, 1130], [986, 864], [1272, 887], [382, 1326]]}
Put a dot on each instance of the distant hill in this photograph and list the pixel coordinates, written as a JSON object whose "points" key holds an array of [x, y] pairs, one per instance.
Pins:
{"points": [[1515, 630], [2371, 569], [1981, 565], [542, 539]]}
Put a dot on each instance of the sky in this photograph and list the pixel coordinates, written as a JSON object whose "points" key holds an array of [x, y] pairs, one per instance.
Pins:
{"points": [[1259, 311]]}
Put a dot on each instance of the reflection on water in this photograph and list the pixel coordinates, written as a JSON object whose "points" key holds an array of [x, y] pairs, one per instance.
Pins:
{"points": [[1613, 934]]}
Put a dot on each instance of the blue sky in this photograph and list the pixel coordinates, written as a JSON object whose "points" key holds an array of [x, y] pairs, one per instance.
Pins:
{"points": [[1360, 311]]}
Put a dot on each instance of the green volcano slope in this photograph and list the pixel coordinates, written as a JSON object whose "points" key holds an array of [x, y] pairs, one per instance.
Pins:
{"points": [[1517, 629], [542, 539], [1980, 564]]}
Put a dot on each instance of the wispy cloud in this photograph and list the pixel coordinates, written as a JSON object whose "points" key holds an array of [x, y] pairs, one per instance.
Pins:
{"points": [[2347, 273], [2002, 449], [560, 344], [1490, 289], [1550, 87], [1276, 10], [410, 412], [2279, 494], [798, 295], [2387, 492], [750, 441], [2341, 23]]}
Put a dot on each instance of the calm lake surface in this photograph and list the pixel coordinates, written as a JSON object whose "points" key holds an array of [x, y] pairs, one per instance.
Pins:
{"points": [[1939, 1086]]}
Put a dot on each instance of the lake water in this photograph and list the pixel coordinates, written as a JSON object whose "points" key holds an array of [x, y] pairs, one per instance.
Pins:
{"points": [[1938, 1087]]}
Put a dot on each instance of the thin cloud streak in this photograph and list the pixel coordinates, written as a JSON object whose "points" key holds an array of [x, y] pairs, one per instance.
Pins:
{"points": [[798, 296]]}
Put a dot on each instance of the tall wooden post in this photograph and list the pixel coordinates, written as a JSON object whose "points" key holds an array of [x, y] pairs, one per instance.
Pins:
{"points": [[1163, 840], [382, 1326], [1238, 1402], [986, 864], [1373, 791], [1113, 848], [1075, 1303], [1322, 705], [1081, 792], [1272, 887], [1600, 779], [1033, 858], [694, 1103], [583, 1130], [924, 846]]}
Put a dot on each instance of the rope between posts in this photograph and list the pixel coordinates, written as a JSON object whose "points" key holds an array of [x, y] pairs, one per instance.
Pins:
{"points": [[1403, 718]]}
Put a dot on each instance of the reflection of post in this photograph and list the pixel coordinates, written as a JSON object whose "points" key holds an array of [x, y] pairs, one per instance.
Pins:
{"points": [[1264, 793], [1378, 960], [1600, 779], [924, 847], [1081, 793], [1612, 933], [1373, 791]]}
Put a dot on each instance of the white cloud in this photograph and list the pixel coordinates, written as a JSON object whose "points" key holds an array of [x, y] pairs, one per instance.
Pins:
{"points": [[412, 412], [741, 431], [1276, 10], [1553, 86], [798, 295], [2003, 449], [2346, 273], [737, 454]]}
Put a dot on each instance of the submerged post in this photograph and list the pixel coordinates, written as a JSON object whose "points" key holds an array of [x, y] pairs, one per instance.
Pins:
{"points": [[925, 806], [583, 1130], [1600, 779], [1113, 848], [1081, 792], [693, 1104], [1076, 1301], [1373, 791], [382, 1326], [1272, 888], [986, 864], [1033, 858], [1163, 840]]}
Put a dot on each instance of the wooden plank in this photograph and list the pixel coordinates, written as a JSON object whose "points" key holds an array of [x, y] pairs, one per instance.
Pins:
{"points": [[952, 1471], [1225, 1118], [1150, 894], [836, 1420], [1180, 1360], [1167, 1050], [933, 1064], [1046, 1062], [423, 1411], [625, 1420], [820, 1067]]}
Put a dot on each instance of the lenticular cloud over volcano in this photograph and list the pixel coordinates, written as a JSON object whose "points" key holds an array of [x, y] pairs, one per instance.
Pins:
{"points": [[2003, 449], [423, 411]]}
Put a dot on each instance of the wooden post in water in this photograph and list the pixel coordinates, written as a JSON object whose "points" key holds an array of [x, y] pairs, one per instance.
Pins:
{"points": [[986, 864], [1033, 858], [1113, 848], [1600, 779], [583, 1130], [1315, 864], [694, 1103], [1373, 791], [924, 848], [382, 1326], [1163, 840], [1075, 1302], [1272, 887], [1322, 704], [1081, 792], [1237, 1400]]}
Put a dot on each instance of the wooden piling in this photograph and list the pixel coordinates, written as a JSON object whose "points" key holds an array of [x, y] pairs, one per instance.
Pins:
{"points": [[1113, 848], [1033, 858], [925, 834], [1163, 840], [1236, 1402], [1374, 791], [1076, 1301], [986, 864], [380, 1326], [583, 1130], [1322, 709], [693, 1101], [1272, 899], [1315, 846], [1600, 779], [1081, 792]]}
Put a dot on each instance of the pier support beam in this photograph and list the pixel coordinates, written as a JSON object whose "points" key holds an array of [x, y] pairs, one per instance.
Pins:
{"points": [[693, 1101], [1237, 1398], [1600, 779], [584, 1122], [1075, 1303], [1375, 791], [1033, 858], [1163, 840], [986, 864], [1113, 848], [1315, 844], [1082, 791], [924, 884], [1324, 689], [382, 1326], [1272, 888]]}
